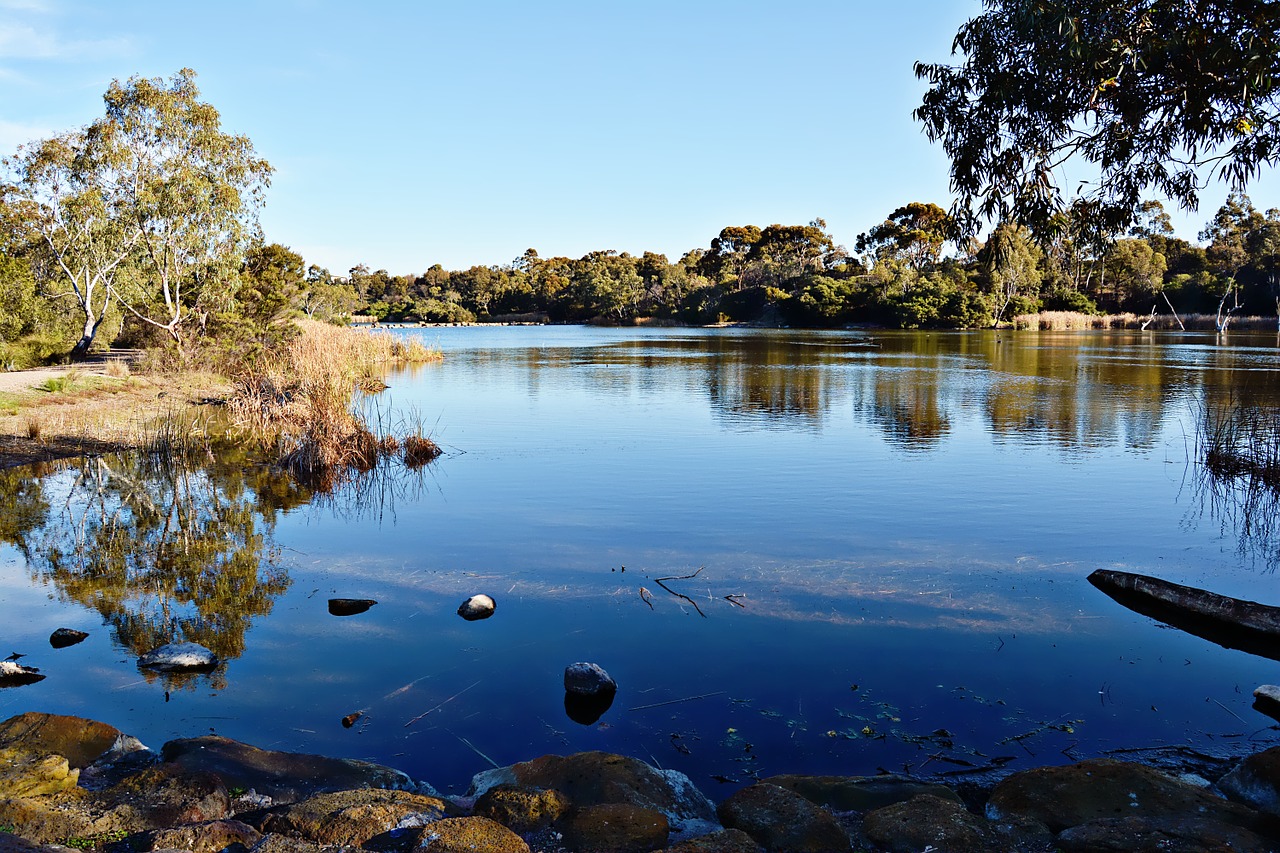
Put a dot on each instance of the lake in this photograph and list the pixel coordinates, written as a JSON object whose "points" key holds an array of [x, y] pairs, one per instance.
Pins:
{"points": [[813, 552]]}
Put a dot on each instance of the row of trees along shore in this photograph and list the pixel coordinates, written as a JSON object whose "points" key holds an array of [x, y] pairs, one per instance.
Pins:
{"points": [[904, 272], [141, 228]]}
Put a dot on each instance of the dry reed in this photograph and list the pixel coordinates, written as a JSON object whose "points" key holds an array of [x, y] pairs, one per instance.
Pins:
{"points": [[1074, 320], [301, 404]]}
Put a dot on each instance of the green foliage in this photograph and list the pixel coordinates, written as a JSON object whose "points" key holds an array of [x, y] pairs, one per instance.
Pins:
{"points": [[439, 311], [146, 210], [1068, 300], [914, 233], [1147, 91]]}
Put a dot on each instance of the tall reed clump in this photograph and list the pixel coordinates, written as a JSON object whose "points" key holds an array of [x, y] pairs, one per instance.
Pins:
{"points": [[300, 405], [1239, 441]]}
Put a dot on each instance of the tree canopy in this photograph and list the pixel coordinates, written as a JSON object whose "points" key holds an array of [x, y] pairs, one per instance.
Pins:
{"points": [[148, 209], [1153, 94]]}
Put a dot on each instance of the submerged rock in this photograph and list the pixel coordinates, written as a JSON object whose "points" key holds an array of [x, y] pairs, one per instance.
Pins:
{"points": [[349, 606], [860, 793], [64, 637], [594, 778], [588, 679], [14, 674], [587, 710], [284, 776], [477, 607], [179, 657]]}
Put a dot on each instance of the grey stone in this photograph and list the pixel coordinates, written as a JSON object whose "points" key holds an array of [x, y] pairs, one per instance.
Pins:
{"points": [[175, 657], [587, 679]]}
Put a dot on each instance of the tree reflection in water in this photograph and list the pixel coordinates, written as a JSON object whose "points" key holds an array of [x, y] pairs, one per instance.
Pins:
{"points": [[163, 551], [1237, 478]]}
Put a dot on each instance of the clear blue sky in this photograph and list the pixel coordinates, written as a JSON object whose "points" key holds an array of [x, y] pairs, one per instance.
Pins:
{"points": [[411, 133]]}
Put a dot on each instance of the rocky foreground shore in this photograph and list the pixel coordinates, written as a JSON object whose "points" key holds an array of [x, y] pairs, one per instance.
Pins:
{"points": [[68, 782]]}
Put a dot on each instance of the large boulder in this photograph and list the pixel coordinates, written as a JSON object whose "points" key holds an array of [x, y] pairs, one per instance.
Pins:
{"points": [[781, 820], [1255, 781], [1063, 797], [522, 808], [24, 775], [1168, 835], [927, 822], [616, 828], [860, 793], [284, 776], [208, 837], [596, 778], [353, 817], [722, 841], [472, 835], [81, 742]]}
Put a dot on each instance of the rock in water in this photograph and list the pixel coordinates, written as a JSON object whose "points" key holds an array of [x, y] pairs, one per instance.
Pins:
{"points": [[15, 674], [175, 657], [349, 606], [64, 637], [477, 607], [588, 679]]}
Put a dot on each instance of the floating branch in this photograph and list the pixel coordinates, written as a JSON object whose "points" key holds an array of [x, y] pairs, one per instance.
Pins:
{"points": [[659, 582]]}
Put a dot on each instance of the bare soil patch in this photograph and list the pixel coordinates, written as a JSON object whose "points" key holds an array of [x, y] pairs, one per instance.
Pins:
{"points": [[91, 412]]}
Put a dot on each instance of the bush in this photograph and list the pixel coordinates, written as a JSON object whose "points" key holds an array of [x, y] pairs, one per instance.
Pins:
{"points": [[1064, 300], [441, 311]]}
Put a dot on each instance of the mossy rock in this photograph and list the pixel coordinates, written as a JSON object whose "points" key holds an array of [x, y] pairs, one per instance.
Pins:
{"points": [[616, 828], [522, 808], [354, 817], [783, 820], [80, 741], [26, 775], [470, 834]]}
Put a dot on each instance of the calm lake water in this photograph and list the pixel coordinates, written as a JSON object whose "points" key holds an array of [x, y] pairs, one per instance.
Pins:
{"points": [[890, 534]]}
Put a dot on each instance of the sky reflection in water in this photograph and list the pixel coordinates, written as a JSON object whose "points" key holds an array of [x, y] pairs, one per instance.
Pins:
{"points": [[908, 519]]}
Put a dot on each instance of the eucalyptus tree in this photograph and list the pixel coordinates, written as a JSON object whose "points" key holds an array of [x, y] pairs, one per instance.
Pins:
{"points": [[150, 207], [1012, 262], [1160, 94]]}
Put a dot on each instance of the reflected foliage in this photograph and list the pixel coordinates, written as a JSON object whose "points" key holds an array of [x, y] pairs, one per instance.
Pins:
{"points": [[1237, 481], [165, 552]]}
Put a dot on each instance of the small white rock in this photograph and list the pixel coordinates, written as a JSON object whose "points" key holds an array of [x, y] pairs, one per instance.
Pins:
{"points": [[477, 607], [178, 656], [1268, 691]]}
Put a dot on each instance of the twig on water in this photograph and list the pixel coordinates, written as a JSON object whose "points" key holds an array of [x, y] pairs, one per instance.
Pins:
{"points": [[646, 597], [676, 701], [659, 582], [732, 598], [1224, 707], [438, 707], [471, 746]]}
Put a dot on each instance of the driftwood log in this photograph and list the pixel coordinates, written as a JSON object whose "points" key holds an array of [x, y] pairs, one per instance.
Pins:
{"points": [[1233, 623]]}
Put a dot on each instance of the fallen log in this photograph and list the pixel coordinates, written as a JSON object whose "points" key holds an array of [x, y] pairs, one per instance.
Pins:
{"points": [[1232, 623]]}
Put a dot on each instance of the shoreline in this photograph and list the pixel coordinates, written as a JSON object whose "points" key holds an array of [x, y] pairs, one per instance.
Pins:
{"points": [[71, 781]]}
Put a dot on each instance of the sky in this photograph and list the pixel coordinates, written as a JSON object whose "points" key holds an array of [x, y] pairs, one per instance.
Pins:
{"points": [[406, 134]]}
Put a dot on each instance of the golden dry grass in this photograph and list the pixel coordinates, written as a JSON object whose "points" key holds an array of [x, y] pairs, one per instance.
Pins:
{"points": [[1072, 320]]}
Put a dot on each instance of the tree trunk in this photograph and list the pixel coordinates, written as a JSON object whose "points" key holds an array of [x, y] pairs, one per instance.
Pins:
{"points": [[1233, 623], [80, 351]]}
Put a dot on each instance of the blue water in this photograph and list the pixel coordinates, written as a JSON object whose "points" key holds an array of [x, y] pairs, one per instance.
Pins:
{"points": [[907, 520]]}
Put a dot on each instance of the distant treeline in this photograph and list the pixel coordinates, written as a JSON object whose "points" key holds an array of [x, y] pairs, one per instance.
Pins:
{"points": [[902, 273]]}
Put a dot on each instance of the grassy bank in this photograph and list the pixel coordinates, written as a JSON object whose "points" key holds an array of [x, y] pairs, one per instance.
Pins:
{"points": [[296, 405]]}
